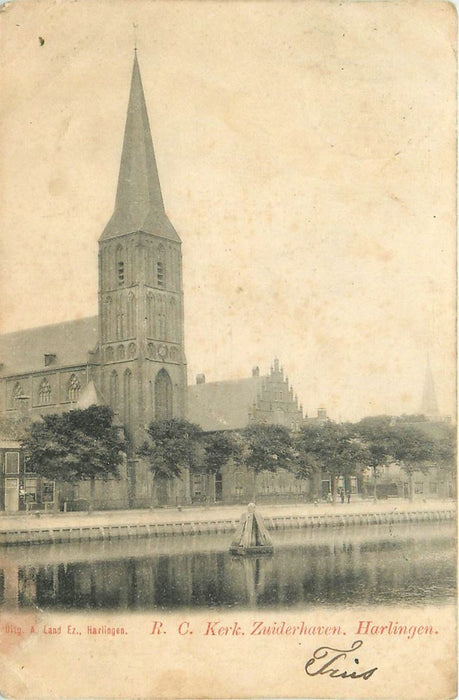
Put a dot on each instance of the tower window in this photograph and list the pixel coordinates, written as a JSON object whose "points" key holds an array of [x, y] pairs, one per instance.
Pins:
{"points": [[121, 273], [160, 273]]}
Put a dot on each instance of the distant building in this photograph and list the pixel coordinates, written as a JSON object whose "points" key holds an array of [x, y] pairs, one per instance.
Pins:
{"points": [[437, 481], [236, 404], [233, 404]]}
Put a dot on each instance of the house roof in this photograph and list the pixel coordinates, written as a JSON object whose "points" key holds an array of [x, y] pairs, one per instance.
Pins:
{"points": [[23, 351], [223, 405]]}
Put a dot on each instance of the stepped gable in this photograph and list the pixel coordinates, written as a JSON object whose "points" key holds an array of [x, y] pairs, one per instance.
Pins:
{"points": [[233, 404]]}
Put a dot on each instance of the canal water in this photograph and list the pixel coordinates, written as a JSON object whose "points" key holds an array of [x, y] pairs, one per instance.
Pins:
{"points": [[397, 564]]}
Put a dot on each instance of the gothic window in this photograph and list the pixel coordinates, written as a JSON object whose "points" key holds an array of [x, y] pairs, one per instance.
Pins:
{"points": [[163, 396], [161, 317], [107, 325], [114, 391], [119, 318], [128, 264], [120, 352], [127, 396], [151, 351], [150, 316], [151, 266], [17, 392], [44, 392], [176, 259], [120, 266], [173, 319], [109, 354], [130, 314], [132, 349], [161, 268], [73, 388], [160, 273]]}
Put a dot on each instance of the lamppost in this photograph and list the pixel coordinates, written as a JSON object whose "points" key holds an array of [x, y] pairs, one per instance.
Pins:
{"points": [[23, 402]]}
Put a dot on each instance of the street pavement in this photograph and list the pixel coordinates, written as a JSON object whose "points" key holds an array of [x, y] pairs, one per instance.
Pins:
{"points": [[18, 521]]}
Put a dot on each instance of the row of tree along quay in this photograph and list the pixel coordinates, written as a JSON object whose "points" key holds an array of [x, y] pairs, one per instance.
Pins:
{"points": [[86, 445]]}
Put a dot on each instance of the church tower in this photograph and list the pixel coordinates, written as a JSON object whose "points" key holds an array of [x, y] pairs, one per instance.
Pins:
{"points": [[141, 338]]}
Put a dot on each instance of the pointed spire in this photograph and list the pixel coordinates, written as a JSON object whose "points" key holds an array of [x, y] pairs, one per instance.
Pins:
{"points": [[429, 406], [139, 202]]}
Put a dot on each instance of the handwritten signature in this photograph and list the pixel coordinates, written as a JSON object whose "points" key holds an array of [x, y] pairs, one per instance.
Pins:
{"points": [[325, 661]]}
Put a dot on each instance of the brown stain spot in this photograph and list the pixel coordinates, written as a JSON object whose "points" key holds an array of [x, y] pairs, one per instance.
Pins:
{"points": [[56, 186], [366, 249]]}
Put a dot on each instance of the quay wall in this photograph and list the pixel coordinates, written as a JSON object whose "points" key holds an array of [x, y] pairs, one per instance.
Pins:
{"points": [[191, 527]]}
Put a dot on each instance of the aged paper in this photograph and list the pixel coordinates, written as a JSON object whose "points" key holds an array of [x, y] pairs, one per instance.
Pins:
{"points": [[307, 158]]}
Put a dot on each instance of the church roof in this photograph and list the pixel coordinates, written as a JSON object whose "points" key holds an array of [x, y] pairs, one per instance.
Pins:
{"points": [[24, 351], [223, 405], [139, 203]]}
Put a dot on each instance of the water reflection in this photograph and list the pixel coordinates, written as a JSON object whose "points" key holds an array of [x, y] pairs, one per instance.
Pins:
{"points": [[355, 566]]}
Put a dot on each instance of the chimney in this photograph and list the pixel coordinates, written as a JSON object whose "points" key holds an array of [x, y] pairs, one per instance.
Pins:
{"points": [[50, 358], [200, 379], [255, 371]]}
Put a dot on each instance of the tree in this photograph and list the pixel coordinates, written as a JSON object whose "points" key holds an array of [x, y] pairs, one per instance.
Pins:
{"points": [[376, 434], [413, 450], [305, 462], [334, 447], [445, 452], [219, 448], [267, 447], [78, 445], [172, 445], [15, 426]]}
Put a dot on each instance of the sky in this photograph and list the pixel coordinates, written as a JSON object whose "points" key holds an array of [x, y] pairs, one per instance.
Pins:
{"points": [[306, 152]]}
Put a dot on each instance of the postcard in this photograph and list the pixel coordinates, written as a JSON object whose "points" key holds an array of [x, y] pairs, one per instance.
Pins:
{"points": [[228, 352]]}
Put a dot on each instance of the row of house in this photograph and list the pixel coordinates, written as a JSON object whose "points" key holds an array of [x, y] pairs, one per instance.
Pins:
{"points": [[131, 356]]}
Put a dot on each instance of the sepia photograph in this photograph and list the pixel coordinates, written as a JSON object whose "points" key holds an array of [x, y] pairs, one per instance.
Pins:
{"points": [[228, 349]]}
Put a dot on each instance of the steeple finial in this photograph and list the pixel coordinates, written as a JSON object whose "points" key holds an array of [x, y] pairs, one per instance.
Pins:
{"points": [[139, 202], [429, 406]]}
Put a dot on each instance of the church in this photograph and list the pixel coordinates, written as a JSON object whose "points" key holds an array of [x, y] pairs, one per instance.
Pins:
{"points": [[132, 355]]}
